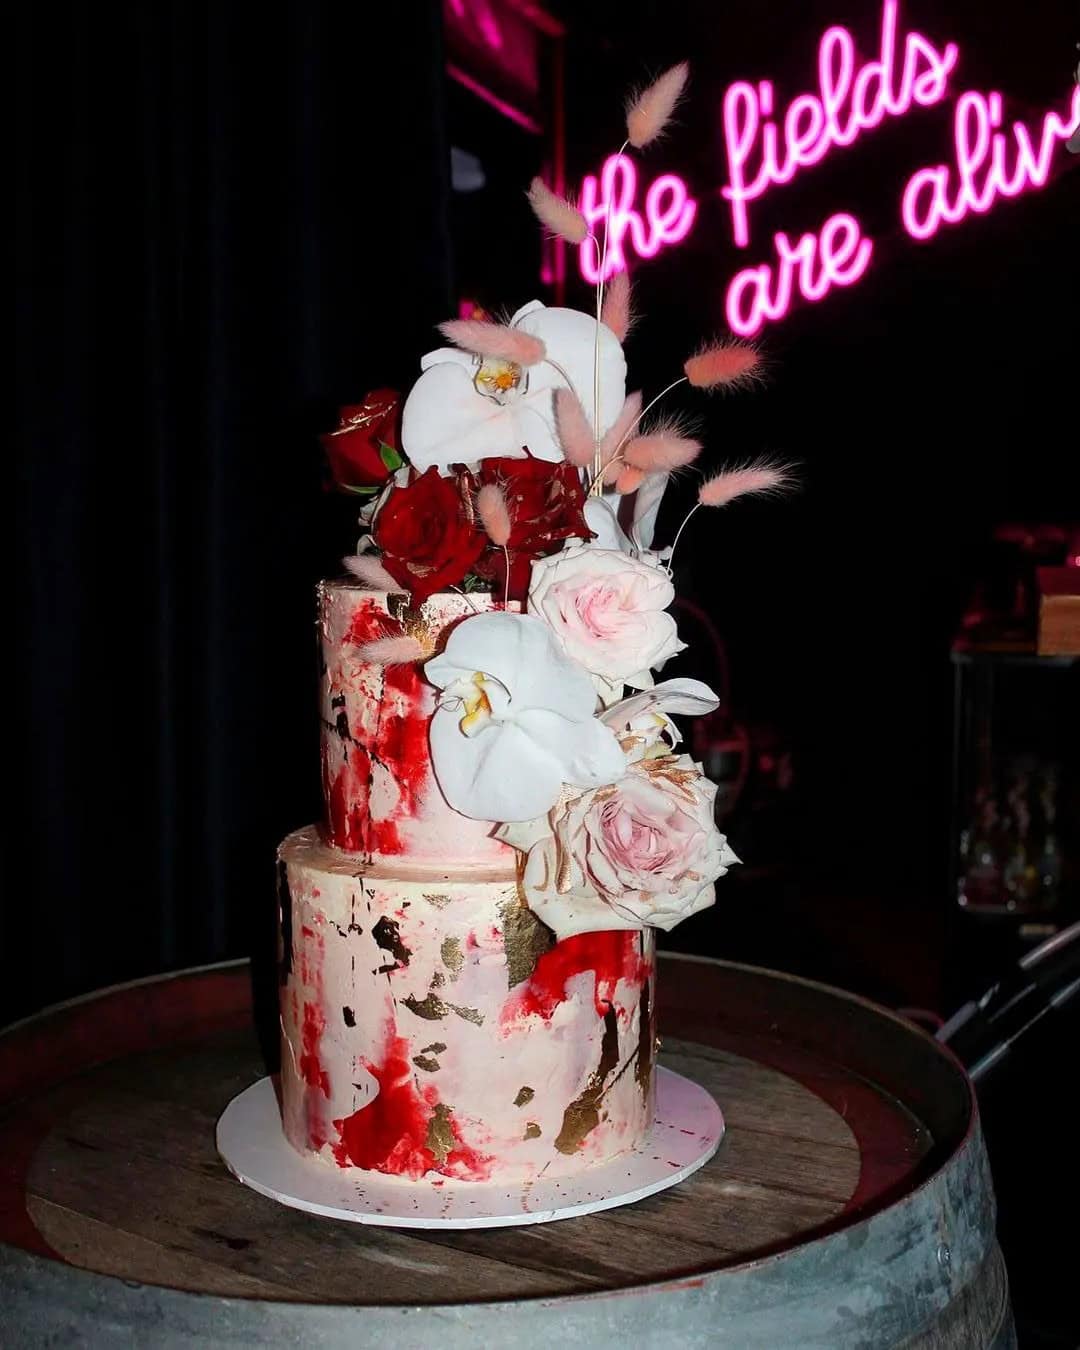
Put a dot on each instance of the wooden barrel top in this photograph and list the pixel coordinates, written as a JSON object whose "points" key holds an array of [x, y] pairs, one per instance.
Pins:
{"points": [[838, 1116]]}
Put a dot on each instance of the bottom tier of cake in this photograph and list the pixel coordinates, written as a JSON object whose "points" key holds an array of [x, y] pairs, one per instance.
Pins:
{"points": [[432, 1027]]}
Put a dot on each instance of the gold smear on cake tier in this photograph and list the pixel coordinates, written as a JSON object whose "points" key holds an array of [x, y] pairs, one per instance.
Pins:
{"points": [[525, 1096], [440, 1135], [433, 1009], [532, 1130], [453, 958], [583, 1114], [438, 901], [427, 1062], [525, 939]]}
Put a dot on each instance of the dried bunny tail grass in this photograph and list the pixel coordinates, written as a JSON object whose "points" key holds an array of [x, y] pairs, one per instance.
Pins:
{"points": [[661, 450], [621, 427], [629, 478], [575, 431], [494, 340], [371, 572], [648, 113], [494, 513], [391, 651], [556, 214], [724, 365], [617, 312], [759, 476]]}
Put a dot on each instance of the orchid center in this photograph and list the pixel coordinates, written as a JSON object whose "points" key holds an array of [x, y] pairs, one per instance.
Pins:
{"points": [[499, 380], [477, 705]]}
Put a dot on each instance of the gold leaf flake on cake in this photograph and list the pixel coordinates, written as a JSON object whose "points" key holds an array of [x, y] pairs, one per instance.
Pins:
{"points": [[436, 900], [426, 1062], [532, 1130], [432, 1008], [440, 1134], [453, 958], [583, 1114], [525, 939], [525, 1095]]}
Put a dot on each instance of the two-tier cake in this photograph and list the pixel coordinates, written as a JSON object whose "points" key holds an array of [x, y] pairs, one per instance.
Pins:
{"points": [[468, 938]]}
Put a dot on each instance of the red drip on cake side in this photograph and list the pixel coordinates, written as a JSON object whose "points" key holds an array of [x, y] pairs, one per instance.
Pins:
{"points": [[402, 740], [399, 743], [312, 1026], [390, 1133], [609, 956]]}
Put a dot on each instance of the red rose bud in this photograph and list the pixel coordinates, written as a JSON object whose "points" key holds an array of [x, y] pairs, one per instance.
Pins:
{"points": [[546, 505], [428, 535], [364, 448]]}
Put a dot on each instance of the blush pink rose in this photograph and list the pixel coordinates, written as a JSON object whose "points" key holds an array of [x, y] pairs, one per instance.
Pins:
{"points": [[643, 852], [608, 612]]}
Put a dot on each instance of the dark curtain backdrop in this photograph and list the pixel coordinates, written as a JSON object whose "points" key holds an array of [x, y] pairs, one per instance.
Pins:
{"points": [[231, 218]]}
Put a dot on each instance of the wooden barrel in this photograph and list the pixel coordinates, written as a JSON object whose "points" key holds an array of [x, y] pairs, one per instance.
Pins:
{"points": [[850, 1203]]}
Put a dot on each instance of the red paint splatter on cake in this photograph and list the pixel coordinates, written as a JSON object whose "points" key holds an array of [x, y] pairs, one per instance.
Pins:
{"points": [[389, 1133], [369, 621], [610, 957], [347, 803], [401, 742], [311, 1070]]}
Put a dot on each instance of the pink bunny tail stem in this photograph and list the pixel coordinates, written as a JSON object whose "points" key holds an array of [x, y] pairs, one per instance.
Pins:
{"points": [[724, 365], [557, 216], [494, 513], [574, 429], [661, 452], [391, 651], [368, 569], [494, 340], [650, 111], [725, 486], [617, 312]]}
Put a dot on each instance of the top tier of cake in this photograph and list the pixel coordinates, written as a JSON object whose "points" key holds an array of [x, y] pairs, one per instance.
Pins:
{"points": [[382, 798]]}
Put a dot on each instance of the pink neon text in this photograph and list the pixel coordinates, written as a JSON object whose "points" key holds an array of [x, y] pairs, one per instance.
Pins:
{"points": [[814, 123], [837, 257], [666, 216], [928, 201]]}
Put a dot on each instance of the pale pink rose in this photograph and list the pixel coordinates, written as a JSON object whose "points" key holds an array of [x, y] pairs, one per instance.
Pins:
{"points": [[608, 612], [643, 852]]}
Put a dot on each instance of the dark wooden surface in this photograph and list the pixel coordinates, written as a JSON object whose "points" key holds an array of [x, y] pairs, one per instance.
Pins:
{"points": [[107, 1141]]}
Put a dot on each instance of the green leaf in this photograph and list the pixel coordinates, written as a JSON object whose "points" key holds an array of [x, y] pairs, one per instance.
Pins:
{"points": [[390, 456], [368, 491]]}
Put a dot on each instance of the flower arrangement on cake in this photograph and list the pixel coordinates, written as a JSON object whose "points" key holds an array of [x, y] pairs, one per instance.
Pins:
{"points": [[468, 941], [520, 468]]}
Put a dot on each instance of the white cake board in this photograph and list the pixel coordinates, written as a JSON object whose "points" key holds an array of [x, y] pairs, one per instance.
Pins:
{"points": [[686, 1133]]}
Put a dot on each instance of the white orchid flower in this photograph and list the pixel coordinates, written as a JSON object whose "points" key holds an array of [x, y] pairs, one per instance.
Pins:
{"points": [[514, 720], [642, 724], [462, 409]]}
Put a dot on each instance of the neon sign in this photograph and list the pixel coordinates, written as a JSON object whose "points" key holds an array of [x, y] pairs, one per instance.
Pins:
{"points": [[666, 218], [926, 205], [766, 150], [814, 123]]}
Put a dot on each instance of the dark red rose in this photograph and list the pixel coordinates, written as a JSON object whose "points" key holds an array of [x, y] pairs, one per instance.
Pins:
{"points": [[547, 506], [364, 448], [427, 534]]}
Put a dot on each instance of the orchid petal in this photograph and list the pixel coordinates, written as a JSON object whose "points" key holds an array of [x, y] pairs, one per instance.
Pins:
{"points": [[499, 774], [691, 697], [588, 752], [522, 653]]}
